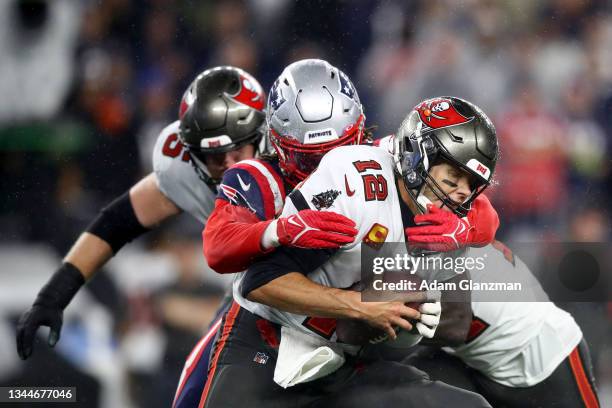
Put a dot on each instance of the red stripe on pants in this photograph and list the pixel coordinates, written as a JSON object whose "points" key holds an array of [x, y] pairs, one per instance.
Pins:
{"points": [[226, 330], [194, 357], [586, 391]]}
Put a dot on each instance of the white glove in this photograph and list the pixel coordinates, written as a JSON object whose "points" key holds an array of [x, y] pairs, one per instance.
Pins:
{"points": [[430, 319]]}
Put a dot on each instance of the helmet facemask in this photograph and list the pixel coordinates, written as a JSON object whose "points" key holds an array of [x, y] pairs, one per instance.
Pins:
{"points": [[199, 157], [461, 209], [298, 160], [199, 166], [417, 154]]}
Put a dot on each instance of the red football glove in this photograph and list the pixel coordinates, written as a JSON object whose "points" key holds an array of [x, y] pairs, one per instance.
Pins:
{"points": [[445, 231], [315, 229], [484, 221]]}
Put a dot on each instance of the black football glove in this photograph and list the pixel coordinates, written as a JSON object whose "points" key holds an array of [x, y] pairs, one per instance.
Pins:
{"points": [[48, 308]]}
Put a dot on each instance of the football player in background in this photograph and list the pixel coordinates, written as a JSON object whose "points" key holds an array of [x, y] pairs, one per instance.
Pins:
{"points": [[371, 201], [220, 123]]}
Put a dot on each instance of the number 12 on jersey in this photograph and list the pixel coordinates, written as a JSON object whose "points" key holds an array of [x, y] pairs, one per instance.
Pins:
{"points": [[374, 185]]}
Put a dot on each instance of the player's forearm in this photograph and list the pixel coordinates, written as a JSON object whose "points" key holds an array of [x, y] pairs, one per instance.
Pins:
{"points": [[123, 220], [88, 254], [296, 293]]}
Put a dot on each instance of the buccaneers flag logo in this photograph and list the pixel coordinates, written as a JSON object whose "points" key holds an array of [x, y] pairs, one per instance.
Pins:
{"points": [[250, 94], [439, 113]]}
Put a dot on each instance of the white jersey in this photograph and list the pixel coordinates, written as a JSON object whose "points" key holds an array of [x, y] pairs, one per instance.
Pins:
{"points": [[516, 343], [359, 183], [385, 143], [177, 179]]}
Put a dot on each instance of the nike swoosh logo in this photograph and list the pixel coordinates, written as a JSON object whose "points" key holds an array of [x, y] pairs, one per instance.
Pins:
{"points": [[291, 220], [349, 192], [453, 235], [244, 186], [462, 228]]}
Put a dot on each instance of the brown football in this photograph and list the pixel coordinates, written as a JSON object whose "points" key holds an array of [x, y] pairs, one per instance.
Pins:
{"points": [[358, 332]]}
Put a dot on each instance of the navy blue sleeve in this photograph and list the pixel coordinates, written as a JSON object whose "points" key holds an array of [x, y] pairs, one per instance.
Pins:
{"points": [[240, 187]]}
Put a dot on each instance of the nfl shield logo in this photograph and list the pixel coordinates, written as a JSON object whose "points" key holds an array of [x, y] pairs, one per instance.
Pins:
{"points": [[260, 358]]}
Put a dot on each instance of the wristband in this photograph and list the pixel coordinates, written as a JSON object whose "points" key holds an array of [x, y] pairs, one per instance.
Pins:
{"points": [[269, 239]]}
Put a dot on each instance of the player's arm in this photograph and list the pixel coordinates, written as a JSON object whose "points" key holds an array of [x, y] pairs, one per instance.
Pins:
{"points": [[295, 293], [123, 220], [456, 317], [126, 218], [241, 228], [232, 237], [250, 195]]}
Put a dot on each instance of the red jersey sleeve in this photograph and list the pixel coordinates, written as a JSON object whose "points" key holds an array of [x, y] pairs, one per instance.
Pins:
{"points": [[251, 195], [232, 237]]}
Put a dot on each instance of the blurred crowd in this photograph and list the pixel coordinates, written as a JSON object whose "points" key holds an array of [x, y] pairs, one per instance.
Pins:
{"points": [[88, 85]]}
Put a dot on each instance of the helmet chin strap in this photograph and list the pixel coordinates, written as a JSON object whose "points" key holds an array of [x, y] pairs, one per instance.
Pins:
{"points": [[423, 201], [417, 197], [202, 172]]}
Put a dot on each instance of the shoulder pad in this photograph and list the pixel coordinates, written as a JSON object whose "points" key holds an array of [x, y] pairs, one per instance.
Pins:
{"points": [[256, 185]]}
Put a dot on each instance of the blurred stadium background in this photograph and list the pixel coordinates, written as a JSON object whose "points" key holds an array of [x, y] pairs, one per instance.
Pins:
{"points": [[87, 85]]}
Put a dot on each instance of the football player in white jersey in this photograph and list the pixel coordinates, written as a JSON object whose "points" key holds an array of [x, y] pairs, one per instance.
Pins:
{"points": [[443, 141], [220, 120], [518, 349], [520, 352], [380, 193]]}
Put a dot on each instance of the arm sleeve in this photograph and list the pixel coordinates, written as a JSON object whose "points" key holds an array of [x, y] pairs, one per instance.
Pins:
{"points": [[117, 223], [250, 196], [232, 237]]}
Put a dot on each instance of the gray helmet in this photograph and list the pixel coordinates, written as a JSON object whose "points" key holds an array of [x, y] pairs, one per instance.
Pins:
{"points": [[221, 111], [313, 107], [451, 129]]}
